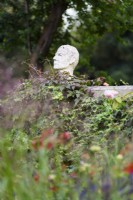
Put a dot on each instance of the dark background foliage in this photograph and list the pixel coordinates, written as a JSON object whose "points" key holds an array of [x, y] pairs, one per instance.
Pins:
{"points": [[31, 31]]}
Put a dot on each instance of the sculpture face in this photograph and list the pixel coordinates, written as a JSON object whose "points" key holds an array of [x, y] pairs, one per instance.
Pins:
{"points": [[61, 58], [66, 58]]}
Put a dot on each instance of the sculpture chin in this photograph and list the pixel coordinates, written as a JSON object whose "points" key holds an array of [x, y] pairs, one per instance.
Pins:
{"points": [[57, 66]]}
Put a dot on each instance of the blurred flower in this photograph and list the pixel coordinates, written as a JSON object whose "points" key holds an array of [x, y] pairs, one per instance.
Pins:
{"points": [[129, 168], [91, 187], [92, 170], [36, 176], [128, 148], [45, 139], [84, 166], [52, 177], [110, 93], [51, 142], [105, 84], [119, 156], [73, 175], [37, 144], [64, 137], [53, 188], [95, 148], [46, 133], [85, 156], [50, 145], [106, 188]]}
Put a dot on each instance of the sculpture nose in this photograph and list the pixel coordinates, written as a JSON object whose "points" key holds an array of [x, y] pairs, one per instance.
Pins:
{"points": [[54, 58]]}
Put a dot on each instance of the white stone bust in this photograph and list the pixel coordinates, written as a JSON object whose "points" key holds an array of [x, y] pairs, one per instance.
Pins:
{"points": [[66, 59]]}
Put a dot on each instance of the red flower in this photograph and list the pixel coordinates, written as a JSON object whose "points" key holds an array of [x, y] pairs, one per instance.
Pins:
{"points": [[64, 137], [129, 168], [37, 143], [50, 145], [46, 133], [36, 177], [53, 188]]}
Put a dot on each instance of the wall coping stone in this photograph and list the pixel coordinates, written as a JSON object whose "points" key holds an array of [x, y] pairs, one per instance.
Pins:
{"points": [[122, 90]]}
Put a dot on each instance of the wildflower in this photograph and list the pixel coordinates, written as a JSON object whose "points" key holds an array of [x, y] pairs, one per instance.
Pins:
{"points": [[36, 177], [64, 137], [110, 93], [119, 156], [37, 144], [95, 148], [84, 166], [46, 133], [50, 145], [106, 188], [53, 188], [129, 168], [51, 142], [52, 177]]}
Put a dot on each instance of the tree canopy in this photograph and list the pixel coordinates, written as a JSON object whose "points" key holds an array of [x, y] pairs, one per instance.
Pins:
{"points": [[31, 30]]}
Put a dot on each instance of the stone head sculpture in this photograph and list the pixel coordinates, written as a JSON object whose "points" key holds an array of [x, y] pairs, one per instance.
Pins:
{"points": [[66, 59]]}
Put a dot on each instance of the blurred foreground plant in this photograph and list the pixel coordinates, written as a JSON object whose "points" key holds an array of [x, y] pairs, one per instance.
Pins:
{"points": [[58, 142]]}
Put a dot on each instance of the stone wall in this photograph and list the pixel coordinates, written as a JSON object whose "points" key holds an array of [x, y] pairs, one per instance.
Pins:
{"points": [[122, 90]]}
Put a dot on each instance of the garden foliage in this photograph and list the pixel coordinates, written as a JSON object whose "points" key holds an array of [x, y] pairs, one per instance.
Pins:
{"points": [[58, 142]]}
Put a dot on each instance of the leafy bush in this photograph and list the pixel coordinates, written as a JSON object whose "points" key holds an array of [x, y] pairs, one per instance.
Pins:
{"points": [[60, 143]]}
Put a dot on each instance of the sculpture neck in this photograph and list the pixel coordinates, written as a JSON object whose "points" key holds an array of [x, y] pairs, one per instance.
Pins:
{"points": [[68, 70]]}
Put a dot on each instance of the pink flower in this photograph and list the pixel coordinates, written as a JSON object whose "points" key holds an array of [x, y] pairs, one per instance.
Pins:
{"points": [[65, 136], [110, 94]]}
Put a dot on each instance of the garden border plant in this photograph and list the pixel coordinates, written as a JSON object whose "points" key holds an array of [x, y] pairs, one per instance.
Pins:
{"points": [[58, 142]]}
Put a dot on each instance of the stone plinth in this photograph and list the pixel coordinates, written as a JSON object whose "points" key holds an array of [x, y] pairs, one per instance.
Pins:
{"points": [[122, 90]]}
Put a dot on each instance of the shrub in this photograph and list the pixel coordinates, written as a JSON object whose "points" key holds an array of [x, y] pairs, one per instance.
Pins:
{"points": [[58, 142]]}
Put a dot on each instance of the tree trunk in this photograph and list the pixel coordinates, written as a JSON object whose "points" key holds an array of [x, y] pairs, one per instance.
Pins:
{"points": [[50, 28], [27, 25]]}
